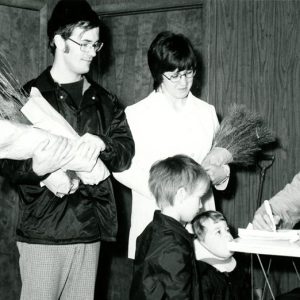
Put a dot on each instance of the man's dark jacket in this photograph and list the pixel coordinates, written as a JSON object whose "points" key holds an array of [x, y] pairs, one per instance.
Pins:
{"points": [[89, 214], [165, 265]]}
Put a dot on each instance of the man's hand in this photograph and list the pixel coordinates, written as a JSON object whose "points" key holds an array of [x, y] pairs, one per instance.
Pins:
{"points": [[98, 173], [93, 139], [262, 221], [86, 153], [52, 155], [60, 184]]}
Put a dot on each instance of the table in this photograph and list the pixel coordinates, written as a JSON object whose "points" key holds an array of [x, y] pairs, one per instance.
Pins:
{"points": [[266, 247]]}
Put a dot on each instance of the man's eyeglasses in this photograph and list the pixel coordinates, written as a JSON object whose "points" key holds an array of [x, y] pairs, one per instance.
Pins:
{"points": [[177, 76], [85, 47]]}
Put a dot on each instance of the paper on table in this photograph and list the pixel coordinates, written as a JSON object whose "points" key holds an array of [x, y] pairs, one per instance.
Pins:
{"points": [[280, 234], [42, 115], [266, 247]]}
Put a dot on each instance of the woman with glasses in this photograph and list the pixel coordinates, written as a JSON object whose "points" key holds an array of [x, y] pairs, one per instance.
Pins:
{"points": [[170, 121]]}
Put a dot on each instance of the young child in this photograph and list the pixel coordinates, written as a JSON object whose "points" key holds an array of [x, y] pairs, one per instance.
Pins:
{"points": [[165, 266], [219, 276]]}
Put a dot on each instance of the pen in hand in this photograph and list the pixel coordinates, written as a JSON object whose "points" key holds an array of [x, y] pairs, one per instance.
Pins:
{"points": [[270, 214]]}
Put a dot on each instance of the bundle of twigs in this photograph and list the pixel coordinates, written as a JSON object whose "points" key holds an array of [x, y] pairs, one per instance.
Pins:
{"points": [[12, 96], [243, 133]]}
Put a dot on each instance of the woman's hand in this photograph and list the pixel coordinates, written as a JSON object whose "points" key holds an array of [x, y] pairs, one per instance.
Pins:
{"points": [[217, 174], [217, 156]]}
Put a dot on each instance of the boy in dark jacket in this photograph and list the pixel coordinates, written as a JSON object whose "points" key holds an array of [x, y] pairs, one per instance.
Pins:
{"points": [[219, 276], [164, 266]]}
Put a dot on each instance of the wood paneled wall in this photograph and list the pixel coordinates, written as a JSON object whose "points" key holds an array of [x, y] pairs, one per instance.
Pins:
{"points": [[19, 32], [250, 52], [252, 56], [19, 36]]}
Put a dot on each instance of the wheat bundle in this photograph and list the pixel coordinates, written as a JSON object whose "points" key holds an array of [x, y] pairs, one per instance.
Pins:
{"points": [[243, 133], [12, 96]]}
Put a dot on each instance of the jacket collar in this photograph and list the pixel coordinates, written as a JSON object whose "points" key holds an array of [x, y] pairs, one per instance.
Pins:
{"points": [[46, 83], [166, 221]]}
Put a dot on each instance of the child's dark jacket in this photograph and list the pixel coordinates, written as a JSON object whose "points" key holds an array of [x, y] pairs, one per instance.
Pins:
{"points": [[216, 285], [165, 265]]}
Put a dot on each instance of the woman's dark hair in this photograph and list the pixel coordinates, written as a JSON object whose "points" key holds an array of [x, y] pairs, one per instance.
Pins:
{"points": [[170, 51]]}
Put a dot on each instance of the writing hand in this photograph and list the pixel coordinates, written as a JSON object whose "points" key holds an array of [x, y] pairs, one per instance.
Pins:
{"points": [[262, 221]]}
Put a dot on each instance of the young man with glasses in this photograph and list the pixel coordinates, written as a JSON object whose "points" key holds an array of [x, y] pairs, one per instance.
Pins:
{"points": [[59, 238], [171, 120]]}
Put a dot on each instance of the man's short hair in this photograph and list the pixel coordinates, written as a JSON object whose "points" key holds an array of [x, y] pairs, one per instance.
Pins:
{"points": [[69, 14], [198, 222], [167, 176], [170, 51]]}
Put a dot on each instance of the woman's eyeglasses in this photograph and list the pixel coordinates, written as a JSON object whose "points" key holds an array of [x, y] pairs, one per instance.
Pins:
{"points": [[176, 77]]}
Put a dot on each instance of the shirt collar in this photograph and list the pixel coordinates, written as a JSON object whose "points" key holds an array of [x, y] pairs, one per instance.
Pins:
{"points": [[223, 265]]}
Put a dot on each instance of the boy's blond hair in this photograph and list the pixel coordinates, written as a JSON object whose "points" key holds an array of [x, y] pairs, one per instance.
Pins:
{"points": [[167, 176]]}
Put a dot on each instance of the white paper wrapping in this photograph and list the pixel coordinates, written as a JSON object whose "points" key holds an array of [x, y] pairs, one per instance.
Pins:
{"points": [[42, 115], [16, 140]]}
